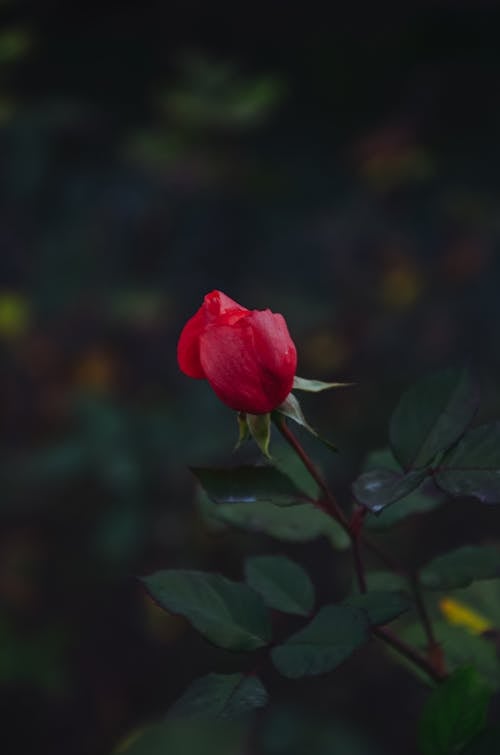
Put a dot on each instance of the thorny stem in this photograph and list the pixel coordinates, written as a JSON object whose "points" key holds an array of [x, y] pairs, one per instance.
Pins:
{"points": [[434, 664]]}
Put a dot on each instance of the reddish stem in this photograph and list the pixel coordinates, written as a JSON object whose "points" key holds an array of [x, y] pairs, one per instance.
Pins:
{"points": [[329, 498], [434, 649], [409, 652], [434, 664]]}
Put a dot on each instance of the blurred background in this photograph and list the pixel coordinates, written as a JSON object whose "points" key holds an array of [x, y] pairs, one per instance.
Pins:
{"points": [[340, 168]]}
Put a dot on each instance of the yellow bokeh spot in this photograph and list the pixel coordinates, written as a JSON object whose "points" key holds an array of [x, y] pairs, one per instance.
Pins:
{"points": [[461, 615], [15, 315], [401, 286]]}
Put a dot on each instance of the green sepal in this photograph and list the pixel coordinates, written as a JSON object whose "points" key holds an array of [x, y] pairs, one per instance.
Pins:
{"points": [[259, 426], [315, 386], [291, 408], [243, 429]]}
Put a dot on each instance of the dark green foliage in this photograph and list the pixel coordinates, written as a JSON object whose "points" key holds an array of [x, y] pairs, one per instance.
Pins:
{"points": [[473, 466], [381, 487], [461, 567], [421, 500], [460, 647], [248, 485], [220, 696], [454, 713], [432, 415], [381, 606], [386, 581], [227, 613], [426, 432], [298, 523], [288, 463], [330, 638], [283, 584]]}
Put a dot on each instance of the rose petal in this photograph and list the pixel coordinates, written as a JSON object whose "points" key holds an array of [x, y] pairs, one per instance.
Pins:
{"points": [[216, 303], [274, 347], [228, 358], [188, 347], [216, 306]]}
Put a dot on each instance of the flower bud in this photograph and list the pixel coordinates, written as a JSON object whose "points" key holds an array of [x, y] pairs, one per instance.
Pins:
{"points": [[247, 356]]}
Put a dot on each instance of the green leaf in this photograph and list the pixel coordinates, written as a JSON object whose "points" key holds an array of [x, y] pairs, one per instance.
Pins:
{"points": [[315, 386], [454, 713], [483, 597], [425, 498], [381, 487], [386, 581], [418, 502], [381, 606], [473, 466], [227, 613], [220, 696], [291, 408], [330, 638], [461, 567], [283, 584], [432, 415], [381, 458], [247, 484], [289, 464], [460, 648], [294, 524], [260, 430]]}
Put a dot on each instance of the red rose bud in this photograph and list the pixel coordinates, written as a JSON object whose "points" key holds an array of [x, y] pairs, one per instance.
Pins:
{"points": [[247, 356]]}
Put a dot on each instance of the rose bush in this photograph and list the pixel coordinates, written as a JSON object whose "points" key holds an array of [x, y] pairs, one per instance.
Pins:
{"points": [[247, 356]]}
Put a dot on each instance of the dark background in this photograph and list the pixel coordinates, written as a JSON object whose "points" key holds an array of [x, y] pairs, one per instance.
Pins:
{"points": [[337, 165]]}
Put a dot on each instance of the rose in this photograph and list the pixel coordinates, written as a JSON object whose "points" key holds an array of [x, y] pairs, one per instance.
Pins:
{"points": [[247, 356]]}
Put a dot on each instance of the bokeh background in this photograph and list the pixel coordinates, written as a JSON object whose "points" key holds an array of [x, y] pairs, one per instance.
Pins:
{"points": [[339, 165]]}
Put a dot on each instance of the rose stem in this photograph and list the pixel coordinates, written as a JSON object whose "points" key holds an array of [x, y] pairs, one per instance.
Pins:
{"points": [[358, 563], [434, 666], [410, 653], [330, 500], [434, 649]]}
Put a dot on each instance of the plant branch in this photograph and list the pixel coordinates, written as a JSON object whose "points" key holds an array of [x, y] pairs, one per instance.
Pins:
{"points": [[410, 653], [422, 610], [384, 557], [358, 564], [329, 498], [433, 666], [434, 650]]}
